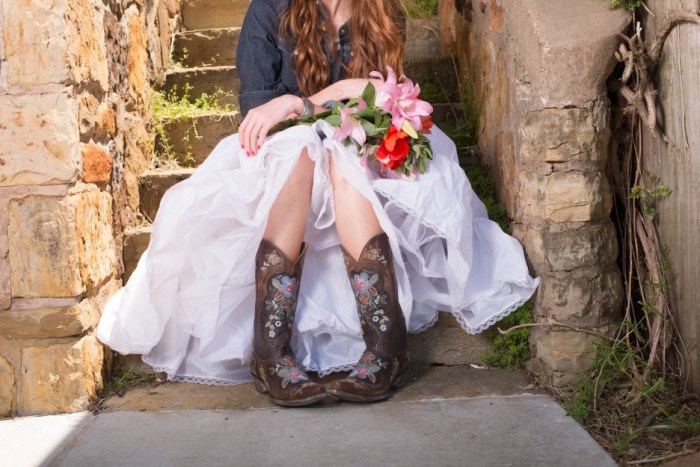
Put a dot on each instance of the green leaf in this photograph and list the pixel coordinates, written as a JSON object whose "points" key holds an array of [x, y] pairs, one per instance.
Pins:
{"points": [[421, 165], [333, 120], [369, 128], [369, 95]]}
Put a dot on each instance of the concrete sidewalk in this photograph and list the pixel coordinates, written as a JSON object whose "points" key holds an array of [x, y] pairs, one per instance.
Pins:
{"points": [[439, 427]]}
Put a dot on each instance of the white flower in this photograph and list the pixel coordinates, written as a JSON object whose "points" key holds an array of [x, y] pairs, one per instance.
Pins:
{"points": [[272, 334], [278, 323], [383, 327], [375, 318]]}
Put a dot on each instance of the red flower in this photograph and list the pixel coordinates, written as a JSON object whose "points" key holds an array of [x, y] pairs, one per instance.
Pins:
{"points": [[427, 122], [393, 149]]}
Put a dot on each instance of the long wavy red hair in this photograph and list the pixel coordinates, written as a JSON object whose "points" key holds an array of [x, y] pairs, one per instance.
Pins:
{"points": [[377, 31]]}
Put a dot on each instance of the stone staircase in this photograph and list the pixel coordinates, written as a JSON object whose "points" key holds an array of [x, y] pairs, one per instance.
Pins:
{"points": [[204, 61]]}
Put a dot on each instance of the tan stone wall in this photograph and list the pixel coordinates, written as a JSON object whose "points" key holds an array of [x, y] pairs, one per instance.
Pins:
{"points": [[74, 133], [538, 70]]}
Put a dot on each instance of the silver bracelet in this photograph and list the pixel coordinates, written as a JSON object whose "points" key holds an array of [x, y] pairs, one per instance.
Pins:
{"points": [[308, 108]]}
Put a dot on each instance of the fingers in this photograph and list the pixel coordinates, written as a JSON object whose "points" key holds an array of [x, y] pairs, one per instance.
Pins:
{"points": [[243, 132], [253, 137], [249, 131], [258, 122]]}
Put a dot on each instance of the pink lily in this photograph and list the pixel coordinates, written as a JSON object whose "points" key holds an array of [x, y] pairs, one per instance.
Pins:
{"points": [[349, 126], [401, 100]]}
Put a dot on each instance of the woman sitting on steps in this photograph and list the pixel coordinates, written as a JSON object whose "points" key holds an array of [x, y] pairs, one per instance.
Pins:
{"points": [[218, 297]]}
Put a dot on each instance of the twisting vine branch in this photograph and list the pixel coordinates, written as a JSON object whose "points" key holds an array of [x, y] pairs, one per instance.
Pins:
{"points": [[641, 62]]}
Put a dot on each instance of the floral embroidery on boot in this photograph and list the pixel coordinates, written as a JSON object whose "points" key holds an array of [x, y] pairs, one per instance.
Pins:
{"points": [[367, 367], [369, 300], [282, 305], [289, 371]]}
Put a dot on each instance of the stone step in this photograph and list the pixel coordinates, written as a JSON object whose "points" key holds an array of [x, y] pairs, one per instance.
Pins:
{"points": [[190, 140], [217, 47], [209, 14], [204, 80], [438, 72], [206, 47], [135, 243], [153, 185], [445, 344]]}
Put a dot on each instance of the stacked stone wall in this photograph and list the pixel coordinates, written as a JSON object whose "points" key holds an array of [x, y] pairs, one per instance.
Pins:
{"points": [[74, 135], [538, 71]]}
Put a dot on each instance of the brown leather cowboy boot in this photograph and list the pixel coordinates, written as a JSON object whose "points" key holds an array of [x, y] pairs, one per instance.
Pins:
{"points": [[385, 359], [273, 365]]}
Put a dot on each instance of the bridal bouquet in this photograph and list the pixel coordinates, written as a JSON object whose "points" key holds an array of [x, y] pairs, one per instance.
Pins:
{"points": [[388, 125]]}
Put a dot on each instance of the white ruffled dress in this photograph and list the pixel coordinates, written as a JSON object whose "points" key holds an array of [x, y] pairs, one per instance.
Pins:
{"points": [[188, 307]]}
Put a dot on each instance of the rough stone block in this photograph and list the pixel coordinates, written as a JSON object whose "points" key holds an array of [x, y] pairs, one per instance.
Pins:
{"points": [[97, 120], [560, 135], [62, 377], [60, 246], [565, 196], [39, 135], [8, 387], [582, 298], [93, 230], [5, 294], [97, 164], [564, 355], [592, 245], [43, 248], [137, 58], [564, 69], [54, 41], [137, 157], [41, 323], [29, 320]]}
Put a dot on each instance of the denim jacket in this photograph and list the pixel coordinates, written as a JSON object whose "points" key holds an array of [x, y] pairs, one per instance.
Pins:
{"points": [[263, 58]]}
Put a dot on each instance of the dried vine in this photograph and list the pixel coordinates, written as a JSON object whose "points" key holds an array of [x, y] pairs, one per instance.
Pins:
{"points": [[651, 332]]}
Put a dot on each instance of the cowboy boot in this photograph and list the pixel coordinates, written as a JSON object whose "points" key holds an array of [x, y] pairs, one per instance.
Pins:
{"points": [[273, 365], [385, 359]]}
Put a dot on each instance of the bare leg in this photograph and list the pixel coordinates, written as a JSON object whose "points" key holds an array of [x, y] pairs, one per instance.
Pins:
{"points": [[355, 220], [289, 213]]}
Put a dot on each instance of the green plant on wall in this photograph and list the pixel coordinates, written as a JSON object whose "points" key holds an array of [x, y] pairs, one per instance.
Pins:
{"points": [[629, 5], [420, 9]]}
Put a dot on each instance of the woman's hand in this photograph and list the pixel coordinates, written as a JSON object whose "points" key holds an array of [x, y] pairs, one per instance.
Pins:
{"points": [[344, 89], [258, 121]]}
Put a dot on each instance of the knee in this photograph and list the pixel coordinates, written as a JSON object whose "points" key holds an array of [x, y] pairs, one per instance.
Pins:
{"points": [[340, 183], [303, 173]]}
